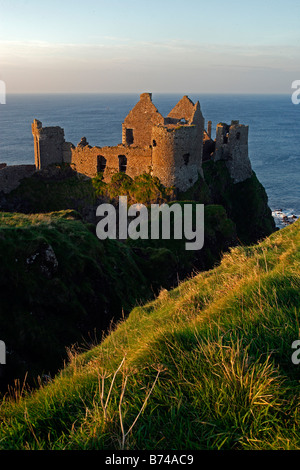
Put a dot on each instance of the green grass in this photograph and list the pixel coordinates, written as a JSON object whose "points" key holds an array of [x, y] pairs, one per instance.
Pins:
{"points": [[47, 305], [143, 189], [53, 189], [59, 188], [204, 366], [85, 285]]}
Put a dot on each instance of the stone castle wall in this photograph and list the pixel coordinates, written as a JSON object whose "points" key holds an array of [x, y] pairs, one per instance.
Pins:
{"points": [[232, 146], [177, 155], [110, 160], [178, 144], [48, 144], [171, 148], [11, 176], [137, 126]]}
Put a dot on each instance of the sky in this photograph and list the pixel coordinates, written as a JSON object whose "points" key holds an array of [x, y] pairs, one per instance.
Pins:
{"points": [[134, 46]]}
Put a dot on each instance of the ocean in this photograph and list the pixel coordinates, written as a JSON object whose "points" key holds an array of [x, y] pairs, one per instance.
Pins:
{"points": [[274, 131]]}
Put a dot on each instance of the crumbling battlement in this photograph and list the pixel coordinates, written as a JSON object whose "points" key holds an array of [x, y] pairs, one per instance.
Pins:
{"points": [[171, 148], [48, 144]]}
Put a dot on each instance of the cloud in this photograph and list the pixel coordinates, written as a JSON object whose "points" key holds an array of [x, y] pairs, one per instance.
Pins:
{"points": [[114, 64]]}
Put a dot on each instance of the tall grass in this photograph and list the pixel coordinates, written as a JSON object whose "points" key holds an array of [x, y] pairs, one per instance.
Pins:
{"points": [[204, 366]]}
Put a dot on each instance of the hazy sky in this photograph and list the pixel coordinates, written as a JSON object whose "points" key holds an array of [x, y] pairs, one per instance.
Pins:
{"points": [[189, 46]]}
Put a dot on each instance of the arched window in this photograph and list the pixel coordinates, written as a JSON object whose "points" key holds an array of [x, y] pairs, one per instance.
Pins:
{"points": [[122, 164]]}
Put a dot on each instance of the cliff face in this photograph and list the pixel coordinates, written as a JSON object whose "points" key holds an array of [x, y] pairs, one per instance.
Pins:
{"points": [[246, 202]]}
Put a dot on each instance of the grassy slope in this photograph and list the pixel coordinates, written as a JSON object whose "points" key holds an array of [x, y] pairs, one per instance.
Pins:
{"points": [[49, 304], [220, 345]]}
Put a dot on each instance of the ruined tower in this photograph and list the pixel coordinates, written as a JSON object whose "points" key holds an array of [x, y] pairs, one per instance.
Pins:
{"points": [[178, 144], [48, 144], [137, 126], [232, 147]]}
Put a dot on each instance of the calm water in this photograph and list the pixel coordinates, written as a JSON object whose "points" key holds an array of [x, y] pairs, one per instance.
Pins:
{"points": [[274, 131]]}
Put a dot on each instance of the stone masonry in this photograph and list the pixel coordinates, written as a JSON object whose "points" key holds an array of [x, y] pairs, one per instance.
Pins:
{"points": [[232, 146], [171, 148], [11, 176]]}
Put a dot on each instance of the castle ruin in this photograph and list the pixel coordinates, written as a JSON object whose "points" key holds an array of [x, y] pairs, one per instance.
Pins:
{"points": [[171, 148]]}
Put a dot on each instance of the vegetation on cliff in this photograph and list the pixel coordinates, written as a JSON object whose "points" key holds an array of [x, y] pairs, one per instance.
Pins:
{"points": [[246, 203], [143, 189], [60, 188], [60, 284], [204, 366]]}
